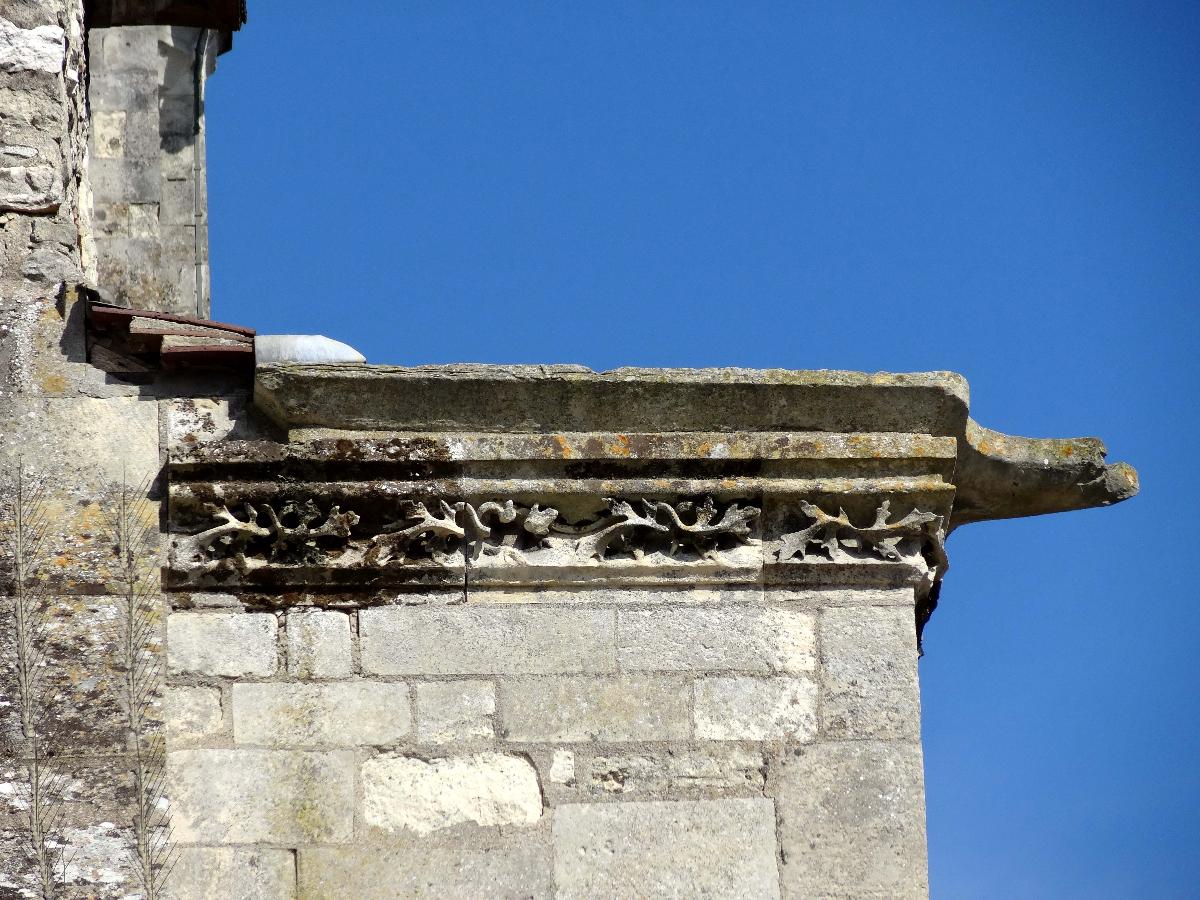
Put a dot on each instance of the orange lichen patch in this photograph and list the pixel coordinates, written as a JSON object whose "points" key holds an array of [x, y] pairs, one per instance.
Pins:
{"points": [[620, 447], [705, 448], [1067, 450], [563, 446], [54, 384]]}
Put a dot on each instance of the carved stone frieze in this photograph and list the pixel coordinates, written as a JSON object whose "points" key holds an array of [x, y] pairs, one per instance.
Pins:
{"points": [[837, 534], [293, 533], [447, 533], [505, 532]]}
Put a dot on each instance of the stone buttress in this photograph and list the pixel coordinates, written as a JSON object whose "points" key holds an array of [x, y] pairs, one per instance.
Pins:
{"points": [[538, 631]]}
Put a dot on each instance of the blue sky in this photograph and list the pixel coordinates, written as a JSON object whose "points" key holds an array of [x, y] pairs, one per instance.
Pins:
{"points": [[1008, 190]]}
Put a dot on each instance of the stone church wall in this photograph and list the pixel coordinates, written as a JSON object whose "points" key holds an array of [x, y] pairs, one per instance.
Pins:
{"points": [[460, 631]]}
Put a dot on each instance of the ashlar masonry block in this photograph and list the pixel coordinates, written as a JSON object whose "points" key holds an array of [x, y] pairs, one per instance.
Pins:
{"points": [[341, 714], [629, 708], [756, 709], [754, 639], [628, 851], [318, 644], [485, 641], [251, 796], [450, 711], [406, 793], [870, 673], [220, 873], [193, 714], [228, 644], [851, 819], [478, 863]]}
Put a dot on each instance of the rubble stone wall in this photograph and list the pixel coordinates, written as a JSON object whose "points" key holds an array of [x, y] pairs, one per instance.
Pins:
{"points": [[45, 232]]}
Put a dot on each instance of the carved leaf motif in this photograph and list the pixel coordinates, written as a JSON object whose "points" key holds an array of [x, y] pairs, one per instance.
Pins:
{"points": [[232, 534], [431, 532], [451, 533], [833, 533], [292, 534], [538, 521], [704, 534], [616, 529]]}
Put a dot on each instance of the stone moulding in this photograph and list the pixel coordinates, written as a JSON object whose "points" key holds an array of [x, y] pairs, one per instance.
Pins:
{"points": [[361, 478], [996, 475]]}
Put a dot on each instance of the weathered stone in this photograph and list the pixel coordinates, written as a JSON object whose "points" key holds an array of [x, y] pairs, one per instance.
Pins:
{"points": [[401, 792], [869, 662], [78, 702], [318, 644], [40, 49], [480, 864], [146, 94], [707, 848], [195, 421], [349, 713], [247, 796], [819, 598], [30, 189], [230, 644], [756, 639], [50, 231], [617, 596], [485, 641], [96, 859], [128, 180], [677, 772], [455, 711], [756, 709], [178, 205], [108, 133], [999, 476], [51, 263], [851, 820], [130, 47], [135, 220], [219, 873], [96, 442], [562, 767], [573, 398], [633, 708], [200, 600], [193, 714]]}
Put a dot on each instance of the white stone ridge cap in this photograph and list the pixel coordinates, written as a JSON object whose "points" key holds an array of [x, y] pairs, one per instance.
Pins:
{"points": [[276, 349]]}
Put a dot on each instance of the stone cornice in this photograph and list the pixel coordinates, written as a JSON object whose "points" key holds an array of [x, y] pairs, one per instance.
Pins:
{"points": [[384, 478], [997, 476]]}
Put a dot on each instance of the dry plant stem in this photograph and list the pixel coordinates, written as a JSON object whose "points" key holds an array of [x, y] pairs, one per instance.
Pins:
{"points": [[27, 543], [133, 530]]}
